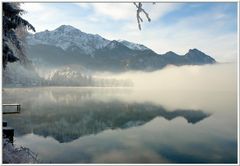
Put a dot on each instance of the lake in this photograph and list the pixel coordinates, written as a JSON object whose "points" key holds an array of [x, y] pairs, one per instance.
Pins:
{"points": [[126, 125]]}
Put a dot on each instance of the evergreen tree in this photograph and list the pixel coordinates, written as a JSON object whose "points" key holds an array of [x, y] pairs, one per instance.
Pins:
{"points": [[12, 22]]}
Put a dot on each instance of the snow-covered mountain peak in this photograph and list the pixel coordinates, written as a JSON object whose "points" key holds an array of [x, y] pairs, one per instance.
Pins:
{"points": [[113, 44], [133, 46], [66, 36], [67, 28]]}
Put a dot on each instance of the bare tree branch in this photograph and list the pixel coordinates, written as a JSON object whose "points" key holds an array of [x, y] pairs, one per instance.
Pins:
{"points": [[139, 10]]}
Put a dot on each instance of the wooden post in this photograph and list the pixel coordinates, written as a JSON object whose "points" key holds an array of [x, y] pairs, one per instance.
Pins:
{"points": [[4, 124], [8, 132], [18, 108]]}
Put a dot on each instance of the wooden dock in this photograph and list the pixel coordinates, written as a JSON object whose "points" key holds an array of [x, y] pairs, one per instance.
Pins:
{"points": [[8, 132], [18, 106]]}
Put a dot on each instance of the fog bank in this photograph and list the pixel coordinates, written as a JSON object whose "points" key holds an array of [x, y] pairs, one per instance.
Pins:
{"points": [[217, 77]]}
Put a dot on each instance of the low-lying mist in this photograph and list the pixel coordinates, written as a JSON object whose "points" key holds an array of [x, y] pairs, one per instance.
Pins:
{"points": [[208, 87], [217, 77], [214, 77]]}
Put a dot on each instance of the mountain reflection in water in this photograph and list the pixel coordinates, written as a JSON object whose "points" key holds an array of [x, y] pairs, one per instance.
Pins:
{"points": [[71, 122], [114, 125]]}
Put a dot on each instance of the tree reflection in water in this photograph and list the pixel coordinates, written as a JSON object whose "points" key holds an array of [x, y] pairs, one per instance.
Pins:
{"points": [[68, 122]]}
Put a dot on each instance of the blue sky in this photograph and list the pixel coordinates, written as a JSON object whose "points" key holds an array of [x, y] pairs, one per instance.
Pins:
{"points": [[210, 27]]}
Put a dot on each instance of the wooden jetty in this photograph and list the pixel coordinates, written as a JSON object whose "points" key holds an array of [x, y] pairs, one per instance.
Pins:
{"points": [[18, 106], [8, 132]]}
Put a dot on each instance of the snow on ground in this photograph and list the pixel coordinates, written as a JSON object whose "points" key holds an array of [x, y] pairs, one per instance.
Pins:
{"points": [[12, 154]]}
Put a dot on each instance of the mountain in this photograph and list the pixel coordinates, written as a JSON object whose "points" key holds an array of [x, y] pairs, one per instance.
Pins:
{"points": [[133, 46], [84, 117], [66, 37], [67, 45], [197, 57]]}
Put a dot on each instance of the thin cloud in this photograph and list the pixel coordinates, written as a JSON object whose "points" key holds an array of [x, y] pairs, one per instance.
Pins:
{"points": [[158, 10], [116, 11], [43, 16]]}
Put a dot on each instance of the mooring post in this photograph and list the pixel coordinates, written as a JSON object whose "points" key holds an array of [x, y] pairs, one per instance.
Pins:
{"points": [[8, 132], [4, 124], [18, 108]]}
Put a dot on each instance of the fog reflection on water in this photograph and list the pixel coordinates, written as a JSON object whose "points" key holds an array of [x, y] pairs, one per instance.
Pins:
{"points": [[111, 125], [67, 116]]}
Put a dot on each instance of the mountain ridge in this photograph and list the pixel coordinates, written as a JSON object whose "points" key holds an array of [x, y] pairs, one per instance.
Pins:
{"points": [[69, 45]]}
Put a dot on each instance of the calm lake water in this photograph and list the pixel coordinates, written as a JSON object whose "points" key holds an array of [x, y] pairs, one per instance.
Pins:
{"points": [[125, 125]]}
